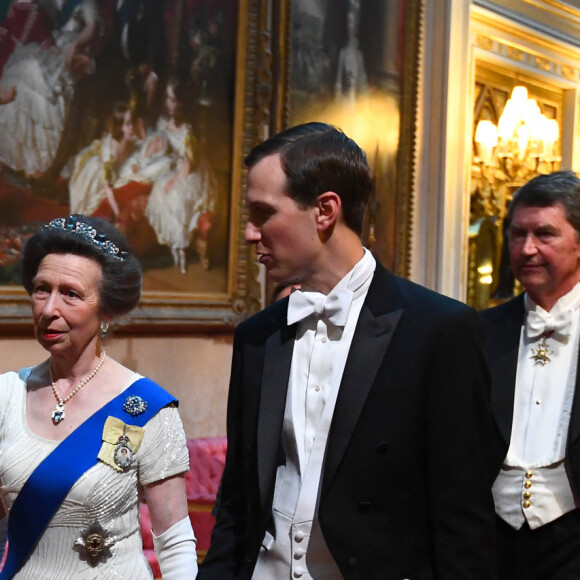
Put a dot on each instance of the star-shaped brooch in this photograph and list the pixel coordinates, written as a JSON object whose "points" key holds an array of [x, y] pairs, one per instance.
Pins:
{"points": [[542, 354], [95, 542]]}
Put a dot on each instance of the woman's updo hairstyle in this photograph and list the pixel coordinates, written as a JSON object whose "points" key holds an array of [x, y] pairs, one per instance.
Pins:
{"points": [[93, 238]]}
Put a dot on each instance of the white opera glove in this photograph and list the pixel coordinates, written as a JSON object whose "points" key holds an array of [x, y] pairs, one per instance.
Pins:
{"points": [[175, 549]]}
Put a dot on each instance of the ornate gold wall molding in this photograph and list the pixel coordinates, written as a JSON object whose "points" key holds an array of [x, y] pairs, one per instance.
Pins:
{"points": [[504, 32], [533, 60], [560, 9]]}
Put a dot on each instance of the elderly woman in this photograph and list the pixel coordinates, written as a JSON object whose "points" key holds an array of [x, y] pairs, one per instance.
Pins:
{"points": [[80, 434]]}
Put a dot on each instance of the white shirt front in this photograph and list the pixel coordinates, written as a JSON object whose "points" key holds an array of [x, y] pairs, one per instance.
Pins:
{"points": [[318, 362], [533, 484], [320, 355]]}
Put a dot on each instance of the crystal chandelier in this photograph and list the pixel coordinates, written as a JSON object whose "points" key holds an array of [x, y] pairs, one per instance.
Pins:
{"points": [[523, 139]]}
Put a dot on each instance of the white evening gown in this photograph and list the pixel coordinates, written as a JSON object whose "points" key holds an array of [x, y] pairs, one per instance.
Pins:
{"points": [[32, 125]]}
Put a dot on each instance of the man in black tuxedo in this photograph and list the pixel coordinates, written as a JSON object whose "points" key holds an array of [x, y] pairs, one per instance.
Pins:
{"points": [[532, 348], [357, 414]]}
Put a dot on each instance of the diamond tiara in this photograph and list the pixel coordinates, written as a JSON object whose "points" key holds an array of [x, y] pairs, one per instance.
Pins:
{"points": [[87, 232]]}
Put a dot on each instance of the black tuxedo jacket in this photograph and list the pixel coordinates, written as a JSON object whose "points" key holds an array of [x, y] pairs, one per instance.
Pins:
{"points": [[406, 485], [502, 327]]}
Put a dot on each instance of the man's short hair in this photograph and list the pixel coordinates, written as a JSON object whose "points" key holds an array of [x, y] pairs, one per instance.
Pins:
{"points": [[547, 190], [317, 157]]}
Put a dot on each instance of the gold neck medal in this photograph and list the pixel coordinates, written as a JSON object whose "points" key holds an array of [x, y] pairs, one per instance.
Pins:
{"points": [[542, 354]]}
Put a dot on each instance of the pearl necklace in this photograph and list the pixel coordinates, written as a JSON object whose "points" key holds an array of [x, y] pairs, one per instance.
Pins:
{"points": [[58, 413]]}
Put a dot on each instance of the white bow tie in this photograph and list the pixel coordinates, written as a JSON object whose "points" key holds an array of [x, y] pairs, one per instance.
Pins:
{"points": [[537, 325], [334, 307]]}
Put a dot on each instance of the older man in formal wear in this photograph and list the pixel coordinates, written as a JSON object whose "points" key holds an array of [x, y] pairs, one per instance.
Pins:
{"points": [[532, 348], [358, 415]]}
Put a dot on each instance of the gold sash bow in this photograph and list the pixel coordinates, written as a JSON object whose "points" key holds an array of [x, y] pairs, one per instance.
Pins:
{"points": [[114, 428]]}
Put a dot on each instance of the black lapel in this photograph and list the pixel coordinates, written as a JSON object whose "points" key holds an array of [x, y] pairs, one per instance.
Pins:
{"points": [[574, 429], [274, 388], [375, 328], [503, 327], [370, 342]]}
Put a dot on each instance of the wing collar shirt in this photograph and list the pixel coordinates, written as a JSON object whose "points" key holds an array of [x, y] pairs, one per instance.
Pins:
{"points": [[533, 485], [326, 326], [321, 350]]}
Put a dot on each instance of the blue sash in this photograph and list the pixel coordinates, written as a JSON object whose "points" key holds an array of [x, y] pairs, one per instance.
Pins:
{"points": [[50, 482]]}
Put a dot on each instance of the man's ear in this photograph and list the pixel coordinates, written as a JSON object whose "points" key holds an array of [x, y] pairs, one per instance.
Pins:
{"points": [[329, 207]]}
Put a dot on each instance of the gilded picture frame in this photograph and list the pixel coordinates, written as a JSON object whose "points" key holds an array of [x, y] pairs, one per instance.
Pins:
{"points": [[219, 287], [260, 100], [355, 65]]}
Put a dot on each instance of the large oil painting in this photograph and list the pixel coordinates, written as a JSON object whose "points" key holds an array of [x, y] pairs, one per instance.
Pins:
{"points": [[141, 111], [130, 110], [353, 64]]}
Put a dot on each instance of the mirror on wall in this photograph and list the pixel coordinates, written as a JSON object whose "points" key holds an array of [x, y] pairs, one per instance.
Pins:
{"points": [[516, 135]]}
